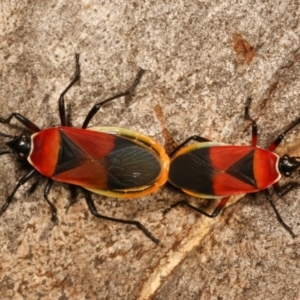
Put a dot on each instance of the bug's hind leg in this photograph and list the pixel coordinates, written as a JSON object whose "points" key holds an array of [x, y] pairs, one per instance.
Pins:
{"points": [[196, 138], [93, 210], [215, 213]]}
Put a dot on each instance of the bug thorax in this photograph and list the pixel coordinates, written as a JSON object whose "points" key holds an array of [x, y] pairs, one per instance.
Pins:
{"points": [[20, 145], [288, 165]]}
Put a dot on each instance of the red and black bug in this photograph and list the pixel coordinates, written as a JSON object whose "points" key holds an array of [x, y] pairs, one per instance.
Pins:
{"points": [[217, 171], [110, 161]]}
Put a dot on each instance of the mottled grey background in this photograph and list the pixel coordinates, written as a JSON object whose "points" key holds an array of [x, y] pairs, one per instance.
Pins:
{"points": [[203, 58]]}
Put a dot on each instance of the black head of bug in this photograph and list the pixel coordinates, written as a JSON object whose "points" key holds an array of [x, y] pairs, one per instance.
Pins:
{"points": [[288, 165], [20, 145]]}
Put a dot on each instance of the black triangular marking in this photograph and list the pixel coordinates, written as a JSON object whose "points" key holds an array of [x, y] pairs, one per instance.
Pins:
{"points": [[193, 171], [70, 155], [243, 169]]}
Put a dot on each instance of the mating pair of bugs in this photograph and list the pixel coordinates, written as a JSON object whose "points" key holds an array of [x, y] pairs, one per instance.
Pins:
{"points": [[121, 163]]}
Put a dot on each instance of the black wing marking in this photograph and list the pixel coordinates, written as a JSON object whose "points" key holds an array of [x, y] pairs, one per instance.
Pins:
{"points": [[132, 166], [193, 171]]}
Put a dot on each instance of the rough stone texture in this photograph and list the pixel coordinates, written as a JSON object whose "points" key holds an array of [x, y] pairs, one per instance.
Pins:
{"points": [[203, 58]]}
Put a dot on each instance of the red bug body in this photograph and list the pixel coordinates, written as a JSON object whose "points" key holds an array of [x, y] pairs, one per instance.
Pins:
{"points": [[105, 160], [110, 161], [213, 170]]}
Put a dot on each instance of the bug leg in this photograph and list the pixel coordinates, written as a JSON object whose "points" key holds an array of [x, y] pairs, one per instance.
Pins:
{"points": [[286, 227], [284, 189], [97, 106], [94, 211], [249, 118], [215, 213], [31, 126], [24, 179], [7, 135], [52, 207], [195, 138], [5, 152], [61, 101], [281, 136]]}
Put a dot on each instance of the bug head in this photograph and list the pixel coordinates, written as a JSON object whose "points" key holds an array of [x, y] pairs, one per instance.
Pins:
{"points": [[288, 165], [20, 145]]}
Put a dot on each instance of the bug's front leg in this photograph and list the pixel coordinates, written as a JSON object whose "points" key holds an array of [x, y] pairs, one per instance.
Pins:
{"points": [[27, 123], [9, 199], [279, 218]]}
